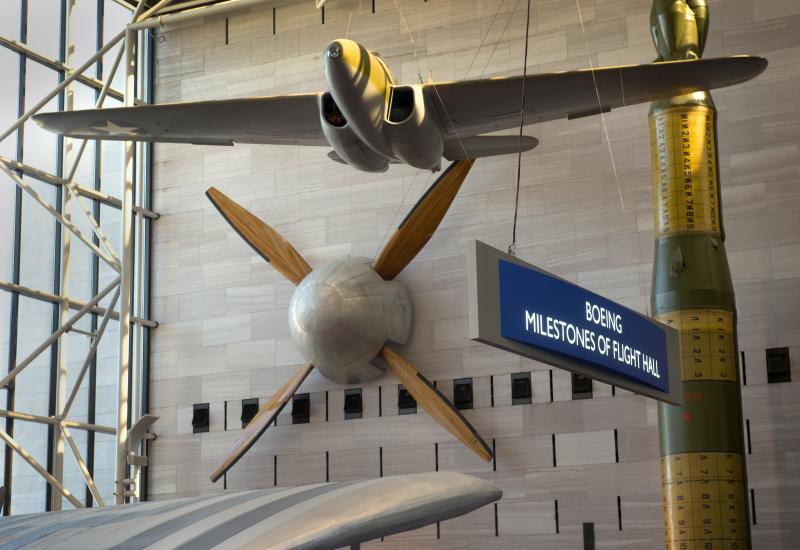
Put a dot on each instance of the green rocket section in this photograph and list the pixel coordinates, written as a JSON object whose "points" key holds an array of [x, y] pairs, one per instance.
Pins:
{"points": [[702, 462], [704, 479]]}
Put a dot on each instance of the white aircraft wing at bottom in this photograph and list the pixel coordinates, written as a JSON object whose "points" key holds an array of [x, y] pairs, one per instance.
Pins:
{"points": [[472, 107], [276, 120], [325, 515]]}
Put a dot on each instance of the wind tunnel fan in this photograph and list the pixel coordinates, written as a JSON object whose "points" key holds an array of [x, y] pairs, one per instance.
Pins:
{"points": [[342, 314]]}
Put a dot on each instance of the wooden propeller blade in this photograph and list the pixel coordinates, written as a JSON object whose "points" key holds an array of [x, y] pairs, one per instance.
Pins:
{"points": [[264, 239], [419, 225], [437, 405], [261, 421]]}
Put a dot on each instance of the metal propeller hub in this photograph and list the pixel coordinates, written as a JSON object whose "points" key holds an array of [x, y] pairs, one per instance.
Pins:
{"points": [[342, 314]]}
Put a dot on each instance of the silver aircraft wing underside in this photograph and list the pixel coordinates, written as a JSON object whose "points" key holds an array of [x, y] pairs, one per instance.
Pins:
{"points": [[276, 120], [473, 107], [324, 515], [465, 108]]}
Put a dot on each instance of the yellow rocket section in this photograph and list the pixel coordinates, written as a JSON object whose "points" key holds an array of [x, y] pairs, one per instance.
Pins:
{"points": [[685, 169], [702, 463]]}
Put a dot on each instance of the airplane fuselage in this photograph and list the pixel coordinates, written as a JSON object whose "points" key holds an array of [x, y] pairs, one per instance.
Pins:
{"points": [[368, 119]]}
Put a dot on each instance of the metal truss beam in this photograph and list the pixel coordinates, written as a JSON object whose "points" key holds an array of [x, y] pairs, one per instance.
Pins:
{"points": [[89, 356], [228, 6], [21, 48], [38, 419], [87, 192], [53, 337], [189, 4], [71, 185], [76, 453], [122, 469], [155, 9], [124, 264], [11, 442], [63, 84], [126, 270], [64, 221], [73, 304]]}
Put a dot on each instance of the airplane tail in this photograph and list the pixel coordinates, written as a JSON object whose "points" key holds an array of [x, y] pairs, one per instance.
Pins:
{"points": [[486, 146]]}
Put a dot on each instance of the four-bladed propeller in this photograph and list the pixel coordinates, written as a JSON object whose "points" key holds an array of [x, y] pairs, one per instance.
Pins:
{"points": [[410, 237]]}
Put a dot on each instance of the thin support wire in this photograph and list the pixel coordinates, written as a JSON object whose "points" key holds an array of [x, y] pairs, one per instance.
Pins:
{"points": [[436, 89], [396, 212], [600, 106], [485, 36], [411, 37], [416, 173], [502, 34], [512, 248]]}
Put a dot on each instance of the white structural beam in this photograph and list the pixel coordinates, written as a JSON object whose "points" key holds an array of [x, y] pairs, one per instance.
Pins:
{"points": [[138, 304], [66, 82], [122, 469], [53, 337], [202, 11], [64, 222], [124, 265], [54, 64], [88, 192], [74, 304], [11, 442], [89, 356], [71, 185], [27, 417], [76, 453], [155, 9], [62, 359]]}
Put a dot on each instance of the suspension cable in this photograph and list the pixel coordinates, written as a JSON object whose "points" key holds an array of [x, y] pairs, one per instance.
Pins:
{"points": [[512, 248], [600, 104]]}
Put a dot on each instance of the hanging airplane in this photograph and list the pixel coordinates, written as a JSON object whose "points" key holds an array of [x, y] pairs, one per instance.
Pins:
{"points": [[370, 121]]}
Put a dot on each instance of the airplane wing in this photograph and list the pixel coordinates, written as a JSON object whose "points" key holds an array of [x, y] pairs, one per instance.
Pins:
{"points": [[324, 515], [276, 120], [464, 110]]}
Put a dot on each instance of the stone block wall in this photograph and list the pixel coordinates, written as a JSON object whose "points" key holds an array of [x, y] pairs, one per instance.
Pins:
{"points": [[223, 335]]}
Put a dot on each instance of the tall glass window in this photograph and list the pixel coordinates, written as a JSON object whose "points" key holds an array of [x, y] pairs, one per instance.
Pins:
{"points": [[41, 41]]}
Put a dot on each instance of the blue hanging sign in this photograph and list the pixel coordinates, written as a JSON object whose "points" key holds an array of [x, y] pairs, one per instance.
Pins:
{"points": [[526, 310], [548, 312]]}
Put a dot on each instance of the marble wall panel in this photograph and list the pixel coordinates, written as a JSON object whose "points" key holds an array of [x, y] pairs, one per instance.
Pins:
{"points": [[574, 449], [222, 310]]}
